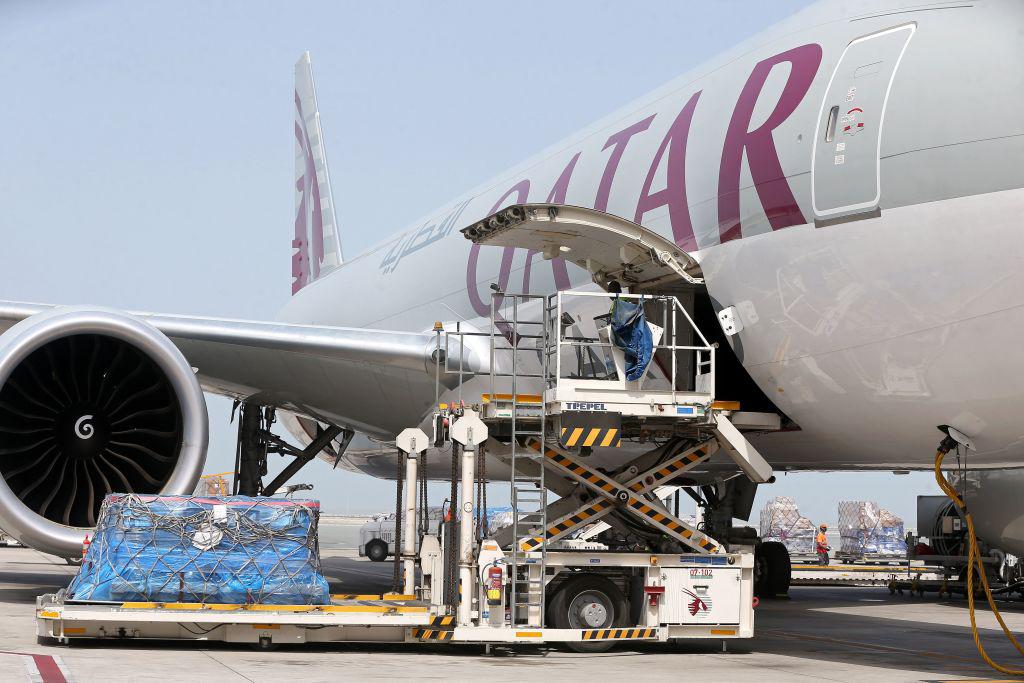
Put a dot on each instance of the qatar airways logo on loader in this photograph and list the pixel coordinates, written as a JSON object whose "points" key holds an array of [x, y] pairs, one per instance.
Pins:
{"points": [[699, 606], [756, 145]]}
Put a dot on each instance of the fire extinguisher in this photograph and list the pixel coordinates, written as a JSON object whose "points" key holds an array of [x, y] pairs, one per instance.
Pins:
{"points": [[495, 582]]}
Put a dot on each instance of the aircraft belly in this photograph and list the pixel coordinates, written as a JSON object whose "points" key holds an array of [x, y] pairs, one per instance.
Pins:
{"points": [[871, 333]]}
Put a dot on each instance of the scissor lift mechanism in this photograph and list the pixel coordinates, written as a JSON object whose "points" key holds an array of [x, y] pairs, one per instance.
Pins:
{"points": [[419, 614], [629, 494]]}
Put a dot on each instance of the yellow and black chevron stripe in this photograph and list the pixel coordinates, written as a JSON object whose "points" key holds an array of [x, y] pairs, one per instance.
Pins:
{"points": [[619, 633], [583, 473], [442, 622], [672, 525], [672, 469], [591, 436], [587, 428], [564, 525], [433, 633]]}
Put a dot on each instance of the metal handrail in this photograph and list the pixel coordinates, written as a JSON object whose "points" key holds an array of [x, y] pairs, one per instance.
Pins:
{"points": [[671, 308]]}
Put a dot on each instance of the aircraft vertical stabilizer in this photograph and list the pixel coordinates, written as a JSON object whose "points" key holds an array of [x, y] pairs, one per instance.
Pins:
{"points": [[316, 243]]}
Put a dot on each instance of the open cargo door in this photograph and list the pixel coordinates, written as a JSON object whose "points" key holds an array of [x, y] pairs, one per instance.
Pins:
{"points": [[608, 247], [613, 248]]}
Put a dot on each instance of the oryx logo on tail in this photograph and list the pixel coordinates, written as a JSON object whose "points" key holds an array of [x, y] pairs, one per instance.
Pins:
{"points": [[316, 244]]}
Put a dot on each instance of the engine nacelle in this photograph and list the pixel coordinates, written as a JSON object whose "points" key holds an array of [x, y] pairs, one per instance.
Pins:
{"points": [[92, 401]]}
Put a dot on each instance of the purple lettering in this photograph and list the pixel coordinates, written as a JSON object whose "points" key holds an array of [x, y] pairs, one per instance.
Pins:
{"points": [[772, 188], [521, 191], [618, 142], [674, 194], [556, 196]]}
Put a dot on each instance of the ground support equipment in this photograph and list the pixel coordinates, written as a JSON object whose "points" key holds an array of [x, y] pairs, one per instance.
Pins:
{"points": [[555, 397]]}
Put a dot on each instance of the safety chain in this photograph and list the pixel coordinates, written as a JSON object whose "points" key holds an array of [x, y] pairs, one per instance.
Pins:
{"points": [[424, 527], [450, 589], [481, 495]]}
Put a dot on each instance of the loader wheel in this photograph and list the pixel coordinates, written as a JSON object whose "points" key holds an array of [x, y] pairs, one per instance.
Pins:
{"points": [[589, 601], [377, 550], [772, 570]]}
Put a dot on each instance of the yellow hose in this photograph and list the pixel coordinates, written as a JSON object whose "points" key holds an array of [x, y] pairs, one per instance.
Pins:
{"points": [[974, 558]]}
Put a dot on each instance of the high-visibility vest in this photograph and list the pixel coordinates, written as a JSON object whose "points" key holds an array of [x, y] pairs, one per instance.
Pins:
{"points": [[821, 538]]}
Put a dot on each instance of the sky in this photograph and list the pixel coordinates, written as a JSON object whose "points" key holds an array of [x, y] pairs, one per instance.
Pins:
{"points": [[147, 148]]}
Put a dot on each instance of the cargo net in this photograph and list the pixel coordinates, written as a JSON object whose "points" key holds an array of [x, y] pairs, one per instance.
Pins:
{"points": [[781, 521], [866, 529], [231, 549]]}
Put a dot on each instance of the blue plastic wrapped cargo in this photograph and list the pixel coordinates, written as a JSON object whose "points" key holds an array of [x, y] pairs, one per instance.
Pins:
{"points": [[631, 334], [230, 549]]}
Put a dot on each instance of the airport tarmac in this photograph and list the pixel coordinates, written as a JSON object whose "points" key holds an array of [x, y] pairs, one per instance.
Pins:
{"points": [[838, 634]]}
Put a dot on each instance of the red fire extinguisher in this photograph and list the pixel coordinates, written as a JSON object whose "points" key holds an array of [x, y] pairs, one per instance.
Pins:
{"points": [[85, 546], [494, 586]]}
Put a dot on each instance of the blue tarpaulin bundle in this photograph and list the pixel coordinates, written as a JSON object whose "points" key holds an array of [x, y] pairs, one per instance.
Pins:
{"points": [[631, 334], [213, 549]]}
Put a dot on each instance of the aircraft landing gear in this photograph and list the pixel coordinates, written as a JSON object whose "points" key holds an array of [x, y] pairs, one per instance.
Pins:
{"points": [[255, 441]]}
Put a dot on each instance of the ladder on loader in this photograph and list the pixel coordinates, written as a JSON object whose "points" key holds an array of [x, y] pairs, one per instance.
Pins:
{"points": [[513, 336]]}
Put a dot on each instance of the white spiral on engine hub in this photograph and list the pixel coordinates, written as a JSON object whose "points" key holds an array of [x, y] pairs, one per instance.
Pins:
{"points": [[83, 429]]}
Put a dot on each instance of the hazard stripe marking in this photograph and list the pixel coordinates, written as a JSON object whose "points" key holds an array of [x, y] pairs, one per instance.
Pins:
{"points": [[673, 468], [619, 633], [640, 485], [432, 634], [444, 622], [599, 436], [673, 526], [566, 524], [590, 428]]}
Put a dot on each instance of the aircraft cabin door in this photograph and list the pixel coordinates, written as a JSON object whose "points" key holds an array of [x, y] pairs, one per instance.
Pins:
{"points": [[845, 178]]}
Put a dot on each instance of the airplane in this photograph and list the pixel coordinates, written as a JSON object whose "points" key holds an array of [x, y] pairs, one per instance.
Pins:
{"points": [[842, 188]]}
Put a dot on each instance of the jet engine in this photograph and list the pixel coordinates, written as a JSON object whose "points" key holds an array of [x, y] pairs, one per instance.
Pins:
{"points": [[92, 401]]}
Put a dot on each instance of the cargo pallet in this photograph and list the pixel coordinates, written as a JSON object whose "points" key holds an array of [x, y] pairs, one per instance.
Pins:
{"points": [[500, 589], [812, 574], [870, 558]]}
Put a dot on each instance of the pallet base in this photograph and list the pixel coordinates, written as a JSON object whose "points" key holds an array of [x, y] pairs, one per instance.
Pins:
{"points": [[376, 622]]}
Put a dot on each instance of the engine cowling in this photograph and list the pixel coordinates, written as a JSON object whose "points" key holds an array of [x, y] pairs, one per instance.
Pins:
{"points": [[92, 401]]}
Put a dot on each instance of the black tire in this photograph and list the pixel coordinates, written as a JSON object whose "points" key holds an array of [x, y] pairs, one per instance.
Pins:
{"points": [[773, 570], [74, 561], [611, 611], [377, 550], [761, 571]]}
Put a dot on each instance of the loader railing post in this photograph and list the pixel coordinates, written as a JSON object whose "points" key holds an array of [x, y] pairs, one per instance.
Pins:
{"points": [[409, 533], [411, 442], [466, 583], [469, 431]]}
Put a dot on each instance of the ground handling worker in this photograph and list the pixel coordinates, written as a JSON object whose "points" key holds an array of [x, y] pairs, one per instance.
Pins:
{"points": [[821, 544]]}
